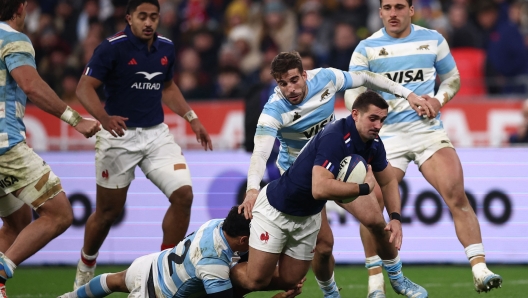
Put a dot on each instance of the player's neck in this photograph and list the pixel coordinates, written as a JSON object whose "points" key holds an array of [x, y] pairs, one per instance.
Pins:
{"points": [[15, 24]]}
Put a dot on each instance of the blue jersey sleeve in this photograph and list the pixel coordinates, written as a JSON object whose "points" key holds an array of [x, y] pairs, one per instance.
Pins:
{"points": [[102, 62], [378, 158], [16, 50], [214, 274], [170, 70], [330, 152]]}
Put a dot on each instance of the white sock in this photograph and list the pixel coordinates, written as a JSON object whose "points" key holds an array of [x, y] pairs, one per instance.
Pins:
{"points": [[376, 282], [327, 286]]}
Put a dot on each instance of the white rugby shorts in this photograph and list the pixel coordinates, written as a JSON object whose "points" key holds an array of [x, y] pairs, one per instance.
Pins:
{"points": [[402, 148], [276, 232], [19, 167], [152, 148], [137, 276]]}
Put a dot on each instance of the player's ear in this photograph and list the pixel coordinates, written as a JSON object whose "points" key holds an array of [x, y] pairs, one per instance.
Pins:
{"points": [[20, 9], [128, 18], [243, 240], [355, 114]]}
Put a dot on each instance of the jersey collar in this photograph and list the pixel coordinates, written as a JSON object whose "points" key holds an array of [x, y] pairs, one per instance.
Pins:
{"points": [[138, 43]]}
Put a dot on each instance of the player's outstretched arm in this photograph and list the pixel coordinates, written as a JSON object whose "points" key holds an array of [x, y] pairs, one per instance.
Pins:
{"points": [[257, 167], [379, 82], [391, 197], [89, 99], [41, 94], [173, 98]]}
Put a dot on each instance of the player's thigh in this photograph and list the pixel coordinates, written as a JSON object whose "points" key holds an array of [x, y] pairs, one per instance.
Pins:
{"points": [[164, 163], [261, 265], [325, 237], [444, 171], [365, 209], [292, 270], [137, 275], [116, 158]]}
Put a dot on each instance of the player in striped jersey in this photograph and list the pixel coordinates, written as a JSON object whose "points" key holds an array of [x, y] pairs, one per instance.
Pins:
{"points": [[25, 179], [303, 104], [198, 266], [414, 56]]}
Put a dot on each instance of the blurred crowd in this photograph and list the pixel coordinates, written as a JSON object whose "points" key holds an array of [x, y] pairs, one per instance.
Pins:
{"points": [[224, 47]]}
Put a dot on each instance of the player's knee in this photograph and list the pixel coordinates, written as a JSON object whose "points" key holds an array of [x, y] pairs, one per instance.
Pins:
{"points": [[182, 197], [376, 228], [324, 247], [258, 284]]}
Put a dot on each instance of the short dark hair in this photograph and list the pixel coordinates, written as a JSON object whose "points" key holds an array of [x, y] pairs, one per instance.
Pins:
{"points": [[285, 61], [8, 8], [367, 98], [133, 5], [408, 1], [236, 224]]}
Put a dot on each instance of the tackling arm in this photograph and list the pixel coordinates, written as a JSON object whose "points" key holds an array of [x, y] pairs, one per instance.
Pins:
{"points": [[351, 95], [257, 166], [88, 97], [379, 82]]}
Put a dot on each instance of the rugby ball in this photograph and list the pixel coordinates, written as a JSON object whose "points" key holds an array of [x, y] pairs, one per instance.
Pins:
{"points": [[352, 169]]}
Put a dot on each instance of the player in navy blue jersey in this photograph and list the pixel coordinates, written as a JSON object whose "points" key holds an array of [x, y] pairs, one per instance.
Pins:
{"points": [[287, 213], [136, 68]]}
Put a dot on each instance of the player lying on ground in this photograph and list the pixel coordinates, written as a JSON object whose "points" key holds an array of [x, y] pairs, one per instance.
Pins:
{"points": [[197, 267]]}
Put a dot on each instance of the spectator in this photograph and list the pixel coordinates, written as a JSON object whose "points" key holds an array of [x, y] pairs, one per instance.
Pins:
{"points": [[507, 56], [521, 136], [228, 83], [461, 32], [343, 45]]}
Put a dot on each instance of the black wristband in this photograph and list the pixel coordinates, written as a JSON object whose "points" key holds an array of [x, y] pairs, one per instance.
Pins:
{"points": [[364, 189], [396, 216]]}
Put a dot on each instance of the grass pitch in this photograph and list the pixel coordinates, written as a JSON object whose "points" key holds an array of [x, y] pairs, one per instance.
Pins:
{"points": [[440, 281]]}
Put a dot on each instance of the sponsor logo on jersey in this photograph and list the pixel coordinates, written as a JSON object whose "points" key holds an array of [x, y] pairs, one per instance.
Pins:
{"points": [[312, 131], [325, 94], [296, 116], [149, 76], [8, 181], [132, 62], [405, 76], [383, 52], [146, 86]]}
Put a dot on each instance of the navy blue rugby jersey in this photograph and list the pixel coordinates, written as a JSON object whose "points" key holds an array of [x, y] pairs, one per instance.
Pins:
{"points": [[292, 192], [133, 77]]}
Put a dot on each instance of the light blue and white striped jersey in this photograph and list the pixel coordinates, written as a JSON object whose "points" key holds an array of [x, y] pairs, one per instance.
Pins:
{"points": [[414, 62], [199, 264], [15, 50], [294, 125]]}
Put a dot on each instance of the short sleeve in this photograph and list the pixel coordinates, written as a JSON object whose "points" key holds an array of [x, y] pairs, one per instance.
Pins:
{"points": [[102, 61], [16, 50], [214, 274], [170, 71], [342, 79], [270, 120], [330, 152]]}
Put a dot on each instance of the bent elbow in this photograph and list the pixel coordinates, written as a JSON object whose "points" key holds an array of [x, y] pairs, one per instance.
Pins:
{"points": [[317, 193]]}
